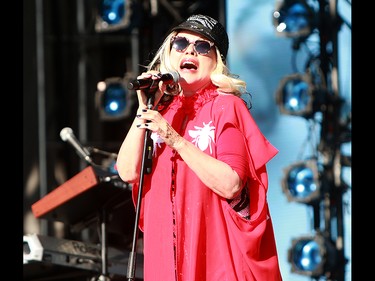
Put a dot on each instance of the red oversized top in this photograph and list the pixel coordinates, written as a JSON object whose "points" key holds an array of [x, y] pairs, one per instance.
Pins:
{"points": [[190, 232]]}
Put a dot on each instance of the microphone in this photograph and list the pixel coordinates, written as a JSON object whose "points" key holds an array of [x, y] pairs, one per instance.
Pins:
{"points": [[167, 78], [67, 135]]}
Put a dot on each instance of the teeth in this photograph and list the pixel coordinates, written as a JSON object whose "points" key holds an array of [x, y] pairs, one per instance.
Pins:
{"points": [[188, 64]]}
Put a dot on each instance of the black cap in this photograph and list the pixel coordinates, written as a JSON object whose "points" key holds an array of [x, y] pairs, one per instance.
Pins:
{"points": [[208, 27]]}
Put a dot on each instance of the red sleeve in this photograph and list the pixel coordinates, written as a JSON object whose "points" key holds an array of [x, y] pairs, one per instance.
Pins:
{"points": [[231, 110], [231, 149]]}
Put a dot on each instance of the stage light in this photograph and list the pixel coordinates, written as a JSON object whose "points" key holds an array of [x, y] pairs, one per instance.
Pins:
{"points": [[303, 94], [301, 182], [295, 95], [113, 15], [113, 99], [313, 255], [294, 19]]}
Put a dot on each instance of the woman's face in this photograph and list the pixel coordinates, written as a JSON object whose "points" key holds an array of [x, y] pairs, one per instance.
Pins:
{"points": [[194, 67]]}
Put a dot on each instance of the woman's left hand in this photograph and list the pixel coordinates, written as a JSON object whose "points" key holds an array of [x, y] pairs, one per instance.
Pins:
{"points": [[156, 123]]}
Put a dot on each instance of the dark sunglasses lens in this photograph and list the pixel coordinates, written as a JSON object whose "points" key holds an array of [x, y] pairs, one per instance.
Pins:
{"points": [[180, 44], [202, 47]]}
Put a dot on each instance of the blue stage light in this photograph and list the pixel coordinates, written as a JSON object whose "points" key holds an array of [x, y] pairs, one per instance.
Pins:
{"points": [[301, 182], [112, 11], [312, 255], [295, 95], [294, 19], [113, 99], [113, 15]]}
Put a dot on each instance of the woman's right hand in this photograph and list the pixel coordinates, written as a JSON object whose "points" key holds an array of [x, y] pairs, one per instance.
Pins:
{"points": [[143, 93]]}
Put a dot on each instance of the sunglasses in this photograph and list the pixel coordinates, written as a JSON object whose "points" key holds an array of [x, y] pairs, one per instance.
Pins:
{"points": [[180, 44]]}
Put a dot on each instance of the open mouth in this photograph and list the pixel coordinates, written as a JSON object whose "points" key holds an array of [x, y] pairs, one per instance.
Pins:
{"points": [[188, 65]]}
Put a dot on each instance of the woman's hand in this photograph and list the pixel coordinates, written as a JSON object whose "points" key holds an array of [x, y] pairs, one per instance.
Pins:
{"points": [[155, 122], [158, 92]]}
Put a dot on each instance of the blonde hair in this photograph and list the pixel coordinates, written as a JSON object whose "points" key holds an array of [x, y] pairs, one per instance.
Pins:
{"points": [[221, 77]]}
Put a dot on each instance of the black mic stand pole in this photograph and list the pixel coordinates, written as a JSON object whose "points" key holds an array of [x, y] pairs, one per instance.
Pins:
{"points": [[146, 164]]}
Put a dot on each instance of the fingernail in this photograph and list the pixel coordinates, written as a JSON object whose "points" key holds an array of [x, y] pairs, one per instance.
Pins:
{"points": [[144, 110], [139, 125], [146, 125], [138, 115]]}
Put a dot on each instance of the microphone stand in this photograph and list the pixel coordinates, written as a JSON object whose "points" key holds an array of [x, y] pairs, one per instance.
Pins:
{"points": [[146, 167]]}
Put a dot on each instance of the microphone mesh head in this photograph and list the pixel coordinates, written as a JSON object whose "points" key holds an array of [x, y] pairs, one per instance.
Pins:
{"points": [[65, 133], [176, 76]]}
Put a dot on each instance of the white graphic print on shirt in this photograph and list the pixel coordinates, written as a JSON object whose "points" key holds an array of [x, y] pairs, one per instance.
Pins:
{"points": [[203, 137]]}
